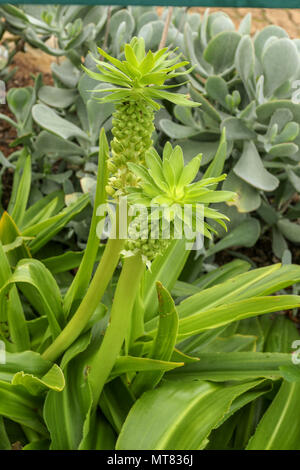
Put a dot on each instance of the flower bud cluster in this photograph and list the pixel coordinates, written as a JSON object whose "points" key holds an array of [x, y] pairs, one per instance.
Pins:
{"points": [[132, 131], [140, 241]]}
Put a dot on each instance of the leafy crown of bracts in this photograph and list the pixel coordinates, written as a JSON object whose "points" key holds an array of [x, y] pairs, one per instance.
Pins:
{"points": [[141, 75], [138, 82]]}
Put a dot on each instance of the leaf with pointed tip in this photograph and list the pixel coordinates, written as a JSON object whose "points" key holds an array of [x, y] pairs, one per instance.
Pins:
{"points": [[189, 172]]}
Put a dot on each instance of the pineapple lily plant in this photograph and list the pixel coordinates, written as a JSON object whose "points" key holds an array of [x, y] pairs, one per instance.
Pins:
{"points": [[139, 81], [113, 357]]}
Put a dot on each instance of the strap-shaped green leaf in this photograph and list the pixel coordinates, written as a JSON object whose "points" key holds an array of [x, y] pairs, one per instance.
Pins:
{"points": [[237, 366], [279, 429], [41, 289], [178, 415], [164, 341], [228, 313]]}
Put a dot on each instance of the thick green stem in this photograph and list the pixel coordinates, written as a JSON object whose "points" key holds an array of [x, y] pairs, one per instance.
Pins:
{"points": [[90, 302], [126, 292]]}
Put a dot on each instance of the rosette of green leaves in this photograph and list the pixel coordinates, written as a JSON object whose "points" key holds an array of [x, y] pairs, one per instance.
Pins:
{"points": [[169, 183]]}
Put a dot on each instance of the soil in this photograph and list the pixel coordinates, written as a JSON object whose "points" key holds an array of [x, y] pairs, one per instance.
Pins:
{"points": [[289, 19], [260, 255]]}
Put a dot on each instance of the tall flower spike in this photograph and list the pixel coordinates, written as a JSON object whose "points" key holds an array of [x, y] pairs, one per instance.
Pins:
{"points": [[138, 81]]}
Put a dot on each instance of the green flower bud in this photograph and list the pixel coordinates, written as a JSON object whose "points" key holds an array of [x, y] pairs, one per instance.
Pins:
{"points": [[132, 131]]}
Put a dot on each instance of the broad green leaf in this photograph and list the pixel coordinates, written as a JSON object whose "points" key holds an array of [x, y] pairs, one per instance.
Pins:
{"points": [[17, 405], [43, 209], [245, 59], [57, 97], [19, 208], [245, 234], [288, 133], [129, 364], [52, 380], [164, 341], [266, 110], [290, 230], [216, 276], [280, 61], [66, 73], [177, 415], [4, 440], [12, 310], [18, 173], [165, 269], [257, 282], [284, 150], [46, 230], [68, 410], [9, 232], [20, 101], [5, 271], [222, 58], [83, 275], [263, 36], [229, 344], [248, 198], [236, 129], [177, 131], [279, 429], [48, 119], [217, 89], [115, 402], [67, 261], [55, 146], [250, 169], [28, 361], [100, 437], [38, 445], [17, 325], [41, 290], [215, 168], [225, 314], [184, 115], [237, 366]]}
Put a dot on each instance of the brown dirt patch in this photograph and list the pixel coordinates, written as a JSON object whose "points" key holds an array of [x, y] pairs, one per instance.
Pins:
{"points": [[286, 18]]}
